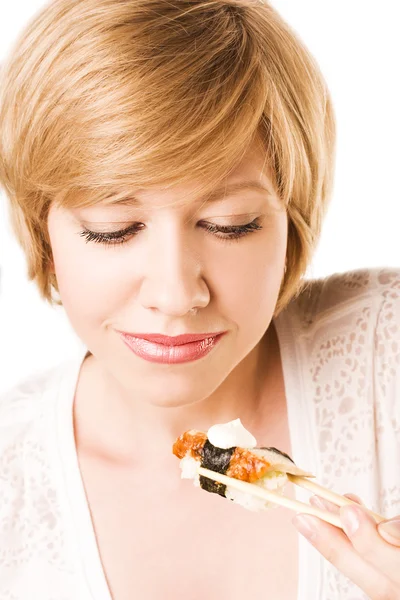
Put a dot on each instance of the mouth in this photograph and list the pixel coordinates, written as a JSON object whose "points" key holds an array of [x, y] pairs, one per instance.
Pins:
{"points": [[178, 340], [162, 349]]}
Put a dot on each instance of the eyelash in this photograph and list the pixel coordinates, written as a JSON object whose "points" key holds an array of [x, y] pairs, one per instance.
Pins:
{"points": [[113, 238]]}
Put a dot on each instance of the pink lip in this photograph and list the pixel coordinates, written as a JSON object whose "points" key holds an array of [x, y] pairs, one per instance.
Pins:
{"points": [[166, 340], [184, 348]]}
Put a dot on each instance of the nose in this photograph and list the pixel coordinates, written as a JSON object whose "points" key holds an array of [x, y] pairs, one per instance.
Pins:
{"points": [[173, 280]]}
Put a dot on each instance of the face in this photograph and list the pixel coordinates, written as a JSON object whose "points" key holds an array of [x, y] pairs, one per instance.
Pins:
{"points": [[224, 258]]}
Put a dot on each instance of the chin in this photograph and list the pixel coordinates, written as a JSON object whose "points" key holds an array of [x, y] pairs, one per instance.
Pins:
{"points": [[171, 387]]}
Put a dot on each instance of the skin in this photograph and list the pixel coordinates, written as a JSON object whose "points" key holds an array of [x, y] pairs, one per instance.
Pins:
{"points": [[150, 284]]}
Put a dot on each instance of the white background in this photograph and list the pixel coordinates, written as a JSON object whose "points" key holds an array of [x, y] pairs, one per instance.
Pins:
{"points": [[358, 48]]}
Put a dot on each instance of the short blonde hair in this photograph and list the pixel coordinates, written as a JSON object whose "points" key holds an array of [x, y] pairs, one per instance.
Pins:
{"points": [[99, 97]]}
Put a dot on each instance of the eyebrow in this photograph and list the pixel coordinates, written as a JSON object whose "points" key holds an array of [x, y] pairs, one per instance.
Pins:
{"points": [[226, 190]]}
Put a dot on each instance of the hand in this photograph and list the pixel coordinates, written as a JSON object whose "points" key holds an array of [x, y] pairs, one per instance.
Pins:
{"points": [[366, 553]]}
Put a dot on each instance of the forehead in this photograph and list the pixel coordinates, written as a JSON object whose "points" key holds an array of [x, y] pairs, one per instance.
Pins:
{"points": [[218, 193]]}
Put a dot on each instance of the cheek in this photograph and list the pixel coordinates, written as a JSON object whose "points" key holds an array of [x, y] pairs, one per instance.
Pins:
{"points": [[252, 286], [248, 293], [90, 281]]}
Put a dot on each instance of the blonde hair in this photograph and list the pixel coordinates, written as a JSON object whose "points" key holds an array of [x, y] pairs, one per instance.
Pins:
{"points": [[106, 96]]}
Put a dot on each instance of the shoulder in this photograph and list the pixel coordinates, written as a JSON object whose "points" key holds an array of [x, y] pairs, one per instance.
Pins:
{"points": [[34, 531], [27, 430], [31, 388], [371, 294], [355, 315], [22, 408], [345, 331]]}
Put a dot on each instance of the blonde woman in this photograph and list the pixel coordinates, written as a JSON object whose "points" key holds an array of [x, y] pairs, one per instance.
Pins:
{"points": [[168, 167]]}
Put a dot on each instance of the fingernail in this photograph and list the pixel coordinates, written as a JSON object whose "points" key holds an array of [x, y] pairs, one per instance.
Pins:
{"points": [[320, 503], [355, 498], [391, 527], [306, 526], [350, 519]]}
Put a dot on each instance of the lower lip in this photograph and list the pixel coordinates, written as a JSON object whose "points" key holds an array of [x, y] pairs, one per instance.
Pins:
{"points": [[171, 355]]}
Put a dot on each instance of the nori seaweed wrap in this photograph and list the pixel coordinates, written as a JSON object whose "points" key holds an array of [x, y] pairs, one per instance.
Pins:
{"points": [[267, 467]]}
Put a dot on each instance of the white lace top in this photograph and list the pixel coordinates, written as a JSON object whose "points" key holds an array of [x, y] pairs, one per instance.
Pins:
{"points": [[340, 344]]}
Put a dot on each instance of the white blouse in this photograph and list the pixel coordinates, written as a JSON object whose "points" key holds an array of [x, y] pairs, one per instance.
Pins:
{"points": [[340, 347]]}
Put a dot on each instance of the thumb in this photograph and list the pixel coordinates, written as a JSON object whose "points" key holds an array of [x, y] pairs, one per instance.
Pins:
{"points": [[390, 531]]}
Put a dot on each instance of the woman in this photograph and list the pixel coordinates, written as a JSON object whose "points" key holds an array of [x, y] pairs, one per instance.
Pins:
{"points": [[168, 168]]}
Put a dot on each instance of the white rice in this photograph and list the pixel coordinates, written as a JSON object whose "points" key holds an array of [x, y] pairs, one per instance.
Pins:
{"points": [[189, 467], [273, 480]]}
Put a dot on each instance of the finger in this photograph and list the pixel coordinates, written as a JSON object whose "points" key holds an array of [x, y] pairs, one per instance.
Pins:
{"points": [[354, 498], [324, 504], [336, 547], [390, 531], [363, 533]]}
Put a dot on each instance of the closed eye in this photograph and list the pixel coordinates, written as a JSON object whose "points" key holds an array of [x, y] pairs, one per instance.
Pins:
{"points": [[224, 232], [233, 232], [111, 237]]}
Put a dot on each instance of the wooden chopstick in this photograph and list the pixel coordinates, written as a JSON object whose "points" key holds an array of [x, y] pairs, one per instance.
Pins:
{"points": [[269, 496], [337, 499]]}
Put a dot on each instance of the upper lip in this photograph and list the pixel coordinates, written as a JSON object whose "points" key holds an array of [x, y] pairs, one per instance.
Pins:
{"points": [[178, 340]]}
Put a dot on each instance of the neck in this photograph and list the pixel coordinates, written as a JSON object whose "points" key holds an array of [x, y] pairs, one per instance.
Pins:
{"points": [[111, 425]]}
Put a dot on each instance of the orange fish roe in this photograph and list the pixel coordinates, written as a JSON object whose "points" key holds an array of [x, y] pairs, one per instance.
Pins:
{"points": [[190, 441], [246, 466]]}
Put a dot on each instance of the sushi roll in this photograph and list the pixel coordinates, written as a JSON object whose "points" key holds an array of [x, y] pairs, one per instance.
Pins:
{"points": [[231, 450]]}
